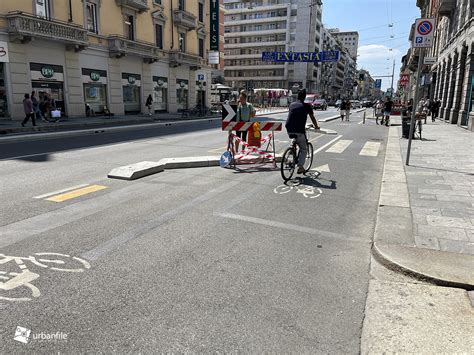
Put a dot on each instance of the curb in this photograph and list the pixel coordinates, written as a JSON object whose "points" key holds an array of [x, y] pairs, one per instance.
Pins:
{"points": [[394, 244]]}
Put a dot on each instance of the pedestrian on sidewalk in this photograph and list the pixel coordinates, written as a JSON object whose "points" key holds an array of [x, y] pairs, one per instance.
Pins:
{"points": [[435, 106], [348, 109], [36, 107], [387, 111], [245, 112], [426, 107], [149, 102], [342, 108], [29, 113]]}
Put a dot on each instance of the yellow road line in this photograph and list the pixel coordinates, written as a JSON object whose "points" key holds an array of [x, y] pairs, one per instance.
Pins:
{"points": [[76, 193]]}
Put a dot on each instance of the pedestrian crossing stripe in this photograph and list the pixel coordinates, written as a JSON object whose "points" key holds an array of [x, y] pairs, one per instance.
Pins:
{"points": [[76, 193], [339, 147], [371, 149]]}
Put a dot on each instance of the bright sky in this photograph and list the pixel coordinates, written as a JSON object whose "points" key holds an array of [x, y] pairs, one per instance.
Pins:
{"points": [[371, 18]]}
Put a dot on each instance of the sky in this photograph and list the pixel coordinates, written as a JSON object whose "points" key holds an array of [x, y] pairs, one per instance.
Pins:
{"points": [[371, 18]]}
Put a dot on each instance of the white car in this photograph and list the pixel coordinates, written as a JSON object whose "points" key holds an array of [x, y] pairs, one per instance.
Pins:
{"points": [[356, 104]]}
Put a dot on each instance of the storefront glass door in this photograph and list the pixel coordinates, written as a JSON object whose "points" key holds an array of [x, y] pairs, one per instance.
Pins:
{"points": [[131, 98], [96, 96]]}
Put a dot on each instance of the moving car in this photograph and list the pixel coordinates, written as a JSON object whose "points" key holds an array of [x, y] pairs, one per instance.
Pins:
{"points": [[310, 98], [320, 104], [355, 104]]}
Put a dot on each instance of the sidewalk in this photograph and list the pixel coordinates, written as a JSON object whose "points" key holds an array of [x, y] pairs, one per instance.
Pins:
{"points": [[425, 221], [8, 126]]}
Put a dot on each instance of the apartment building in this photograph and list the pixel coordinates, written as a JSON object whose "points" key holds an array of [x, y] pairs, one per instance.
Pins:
{"points": [[349, 39], [109, 54], [253, 27]]}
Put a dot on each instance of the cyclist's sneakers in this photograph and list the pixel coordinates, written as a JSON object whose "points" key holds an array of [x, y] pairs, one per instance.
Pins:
{"points": [[301, 170]]}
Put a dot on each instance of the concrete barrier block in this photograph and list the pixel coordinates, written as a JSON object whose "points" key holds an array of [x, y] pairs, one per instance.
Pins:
{"points": [[136, 171], [187, 162]]}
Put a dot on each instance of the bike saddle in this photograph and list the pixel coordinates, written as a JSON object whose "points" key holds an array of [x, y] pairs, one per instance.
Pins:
{"points": [[293, 136]]}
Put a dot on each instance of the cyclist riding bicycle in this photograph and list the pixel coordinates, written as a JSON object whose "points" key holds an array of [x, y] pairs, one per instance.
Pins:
{"points": [[296, 125]]}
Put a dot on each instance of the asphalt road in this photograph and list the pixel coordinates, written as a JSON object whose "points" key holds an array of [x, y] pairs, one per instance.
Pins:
{"points": [[195, 260]]}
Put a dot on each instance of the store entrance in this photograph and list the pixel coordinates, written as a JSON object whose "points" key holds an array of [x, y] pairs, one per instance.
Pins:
{"points": [[54, 90], [3, 92]]}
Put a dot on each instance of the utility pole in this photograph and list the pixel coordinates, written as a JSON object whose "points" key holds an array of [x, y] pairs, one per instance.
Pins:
{"points": [[393, 76]]}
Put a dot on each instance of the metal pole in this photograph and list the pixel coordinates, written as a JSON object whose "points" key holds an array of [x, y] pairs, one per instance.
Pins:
{"points": [[393, 76], [415, 104]]}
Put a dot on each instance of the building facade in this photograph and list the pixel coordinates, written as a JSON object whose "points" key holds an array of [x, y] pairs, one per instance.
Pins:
{"points": [[109, 54], [253, 27], [451, 79], [349, 40]]}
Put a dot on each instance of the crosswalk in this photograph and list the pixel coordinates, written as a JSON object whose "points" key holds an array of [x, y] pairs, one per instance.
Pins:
{"points": [[370, 149]]}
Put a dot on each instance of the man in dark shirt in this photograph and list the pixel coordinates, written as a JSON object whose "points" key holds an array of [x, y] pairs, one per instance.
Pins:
{"points": [[387, 108], [296, 125]]}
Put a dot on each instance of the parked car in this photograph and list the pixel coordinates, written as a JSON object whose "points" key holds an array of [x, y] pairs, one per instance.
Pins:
{"points": [[356, 104], [320, 104], [338, 104], [310, 98], [331, 102], [367, 103]]}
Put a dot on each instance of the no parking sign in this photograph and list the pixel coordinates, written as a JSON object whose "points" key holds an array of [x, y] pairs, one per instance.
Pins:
{"points": [[424, 33]]}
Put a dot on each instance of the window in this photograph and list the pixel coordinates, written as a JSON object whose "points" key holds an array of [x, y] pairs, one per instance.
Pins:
{"points": [[201, 12], [157, 2], [182, 41], [129, 24], [181, 4], [43, 8], [201, 47], [91, 12], [159, 36]]}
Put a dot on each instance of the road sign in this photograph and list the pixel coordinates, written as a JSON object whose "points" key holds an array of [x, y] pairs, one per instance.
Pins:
{"points": [[429, 60], [424, 33], [228, 113], [200, 77], [378, 83], [226, 159]]}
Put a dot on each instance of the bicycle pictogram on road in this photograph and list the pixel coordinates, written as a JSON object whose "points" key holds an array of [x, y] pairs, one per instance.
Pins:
{"points": [[20, 281]]}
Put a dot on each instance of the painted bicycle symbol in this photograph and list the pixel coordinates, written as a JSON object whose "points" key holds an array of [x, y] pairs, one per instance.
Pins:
{"points": [[305, 190], [23, 280]]}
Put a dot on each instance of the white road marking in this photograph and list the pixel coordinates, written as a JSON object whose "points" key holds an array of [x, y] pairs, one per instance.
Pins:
{"points": [[327, 144], [361, 122], [322, 169], [61, 191], [340, 146], [371, 149], [292, 227]]}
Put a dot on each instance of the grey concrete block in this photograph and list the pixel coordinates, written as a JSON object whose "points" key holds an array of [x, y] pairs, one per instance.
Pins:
{"points": [[427, 242], [457, 246], [442, 232], [394, 225], [136, 171], [422, 197], [454, 222], [186, 162], [426, 211]]}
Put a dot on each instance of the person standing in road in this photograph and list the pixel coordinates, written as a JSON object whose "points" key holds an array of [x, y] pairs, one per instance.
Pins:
{"points": [[342, 108], [296, 126], [245, 112], [148, 104], [29, 113], [348, 109], [387, 111]]}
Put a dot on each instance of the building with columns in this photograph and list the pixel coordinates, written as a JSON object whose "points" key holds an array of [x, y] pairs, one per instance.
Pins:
{"points": [[109, 54], [451, 79]]}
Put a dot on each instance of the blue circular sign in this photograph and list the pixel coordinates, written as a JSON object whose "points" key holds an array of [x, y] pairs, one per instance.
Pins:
{"points": [[425, 28], [226, 159]]}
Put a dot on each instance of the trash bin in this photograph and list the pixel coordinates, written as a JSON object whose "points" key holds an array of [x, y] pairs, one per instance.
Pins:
{"points": [[406, 121]]}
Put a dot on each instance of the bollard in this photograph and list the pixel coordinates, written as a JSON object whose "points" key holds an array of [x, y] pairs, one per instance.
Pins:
{"points": [[364, 116]]}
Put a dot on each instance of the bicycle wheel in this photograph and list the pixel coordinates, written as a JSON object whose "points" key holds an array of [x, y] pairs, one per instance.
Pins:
{"points": [[288, 164], [309, 157]]}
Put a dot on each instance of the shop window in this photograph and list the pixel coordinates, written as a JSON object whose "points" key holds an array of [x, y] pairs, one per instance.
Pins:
{"points": [[92, 18], [159, 36], [182, 95]]}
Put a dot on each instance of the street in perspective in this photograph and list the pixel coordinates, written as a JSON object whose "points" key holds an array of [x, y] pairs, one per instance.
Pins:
{"points": [[221, 176]]}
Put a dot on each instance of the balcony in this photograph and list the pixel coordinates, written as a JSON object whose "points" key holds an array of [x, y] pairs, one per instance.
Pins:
{"points": [[179, 58], [184, 19], [24, 27], [139, 5], [446, 7], [120, 46]]}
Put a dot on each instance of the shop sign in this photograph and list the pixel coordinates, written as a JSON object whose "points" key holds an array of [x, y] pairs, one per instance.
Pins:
{"points": [[94, 76], [131, 80], [4, 58], [160, 82], [47, 72], [214, 35], [182, 84]]}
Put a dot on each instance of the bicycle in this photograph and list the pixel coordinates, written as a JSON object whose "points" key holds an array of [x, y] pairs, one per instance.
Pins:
{"points": [[289, 161]]}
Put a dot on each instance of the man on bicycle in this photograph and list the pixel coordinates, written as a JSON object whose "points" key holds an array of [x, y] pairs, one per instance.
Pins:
{"points": [[296, 125]]}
